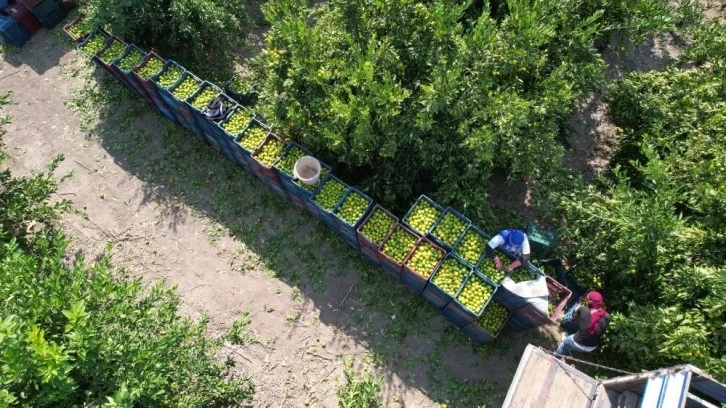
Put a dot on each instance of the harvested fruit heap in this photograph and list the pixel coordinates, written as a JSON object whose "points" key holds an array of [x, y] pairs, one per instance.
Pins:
{"points": [[450, 275], [520, 275], [130, 60], [94, 43], [152, 66], [237, 122], [449, 229], [329, 194], [202, 99], [169, 76], [352, 208], [377, 226], [471, 247], [488, 269], [424, 259], [422, 216], [493, 317], [270, 151], [186, 88], [252, 137], [475, 294], [399, 244], [80, 28], [113, 51], [288, 160]]}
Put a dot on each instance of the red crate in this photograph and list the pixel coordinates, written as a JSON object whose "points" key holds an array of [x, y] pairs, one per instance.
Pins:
{"points": [[26, 19], [556, 291]]}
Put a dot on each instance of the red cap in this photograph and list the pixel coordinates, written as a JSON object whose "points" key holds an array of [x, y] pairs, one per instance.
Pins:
{"points": [[594, 299]]}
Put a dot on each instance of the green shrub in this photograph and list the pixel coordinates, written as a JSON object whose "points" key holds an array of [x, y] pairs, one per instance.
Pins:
{"points": [[192, 32]]}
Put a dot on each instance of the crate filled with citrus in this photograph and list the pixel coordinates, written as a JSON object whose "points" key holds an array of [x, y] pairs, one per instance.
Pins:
{"points": [[422, 216], [373, 230], [449, 228], [108, 54], [264, 158], [350, 213], [125, 63], [395, 248], [79, 28], [446, 281], [488, 326], [296, 191], [185, 87], [420, 264], [94, 43], [326, 198], [469, 302], [246, 141], [472, 245]]}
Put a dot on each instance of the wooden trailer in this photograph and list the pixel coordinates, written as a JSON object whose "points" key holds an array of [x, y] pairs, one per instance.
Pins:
{"points": [[544, 381]]}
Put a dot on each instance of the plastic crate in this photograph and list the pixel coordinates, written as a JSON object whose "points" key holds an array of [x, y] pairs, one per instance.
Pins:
{"points": [[474, 231], [228, 140], [218, 138], [107, 55], [559, 295], [197, 113], [519, 323], [297, 192], [94, 42], [77, 24], [542, 241], [266, 173], [133, 55], [390, 265], [436, 235], [478, 333], [414, 280], [48, 12], [437, 296], [12, 32], [325, 213], [23, 16], [144, 79], [184, 113], [459, 314], [423, 201], [240, 154], [3, 4], [245, 98], [349, 231], [368, 247], [29, 3]]}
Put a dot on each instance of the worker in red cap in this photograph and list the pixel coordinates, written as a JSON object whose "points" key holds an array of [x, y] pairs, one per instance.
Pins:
{"points": [[513, 241], [591, 321]]}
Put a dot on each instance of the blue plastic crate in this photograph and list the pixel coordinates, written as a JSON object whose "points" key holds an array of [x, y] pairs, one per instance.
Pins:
{"points": [[218, 138], [413, 280], [94, 34], [296, 192], [324, 214], [434, 235], [12, 32], [49, 13], [127, 74], [346, 230], [228, 141], [471, 229], [476, 331], [240, 155], [183, 110], [519, 323], [422, 200], [267, 173], [391, 266], [368, 248], [457, 313], [200, 119], [3, 4], [434, 294]]}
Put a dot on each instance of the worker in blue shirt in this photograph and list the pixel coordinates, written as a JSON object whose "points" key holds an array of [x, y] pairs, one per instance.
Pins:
{"points": [[513, 241]]}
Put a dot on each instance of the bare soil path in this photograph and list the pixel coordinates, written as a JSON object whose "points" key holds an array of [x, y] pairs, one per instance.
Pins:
{"points": [[177, 211]]}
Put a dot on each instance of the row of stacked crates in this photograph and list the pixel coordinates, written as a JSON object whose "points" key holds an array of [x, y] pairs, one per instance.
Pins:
{"points": [[435, 252], [20, 19]]}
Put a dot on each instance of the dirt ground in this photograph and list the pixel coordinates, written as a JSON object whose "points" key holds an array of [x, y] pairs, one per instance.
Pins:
{"points": [[164, 230]]}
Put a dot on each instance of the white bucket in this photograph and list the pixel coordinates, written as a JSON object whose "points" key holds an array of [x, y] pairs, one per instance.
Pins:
{"points": [[307, 170]]}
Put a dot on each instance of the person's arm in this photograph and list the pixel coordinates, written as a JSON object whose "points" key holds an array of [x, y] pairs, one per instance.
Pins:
{"points": [[489, 250], [523, 258]]}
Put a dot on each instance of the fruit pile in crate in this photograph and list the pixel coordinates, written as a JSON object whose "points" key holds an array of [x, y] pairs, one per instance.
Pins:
{"points": [[420, 265], [395, 249]]}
